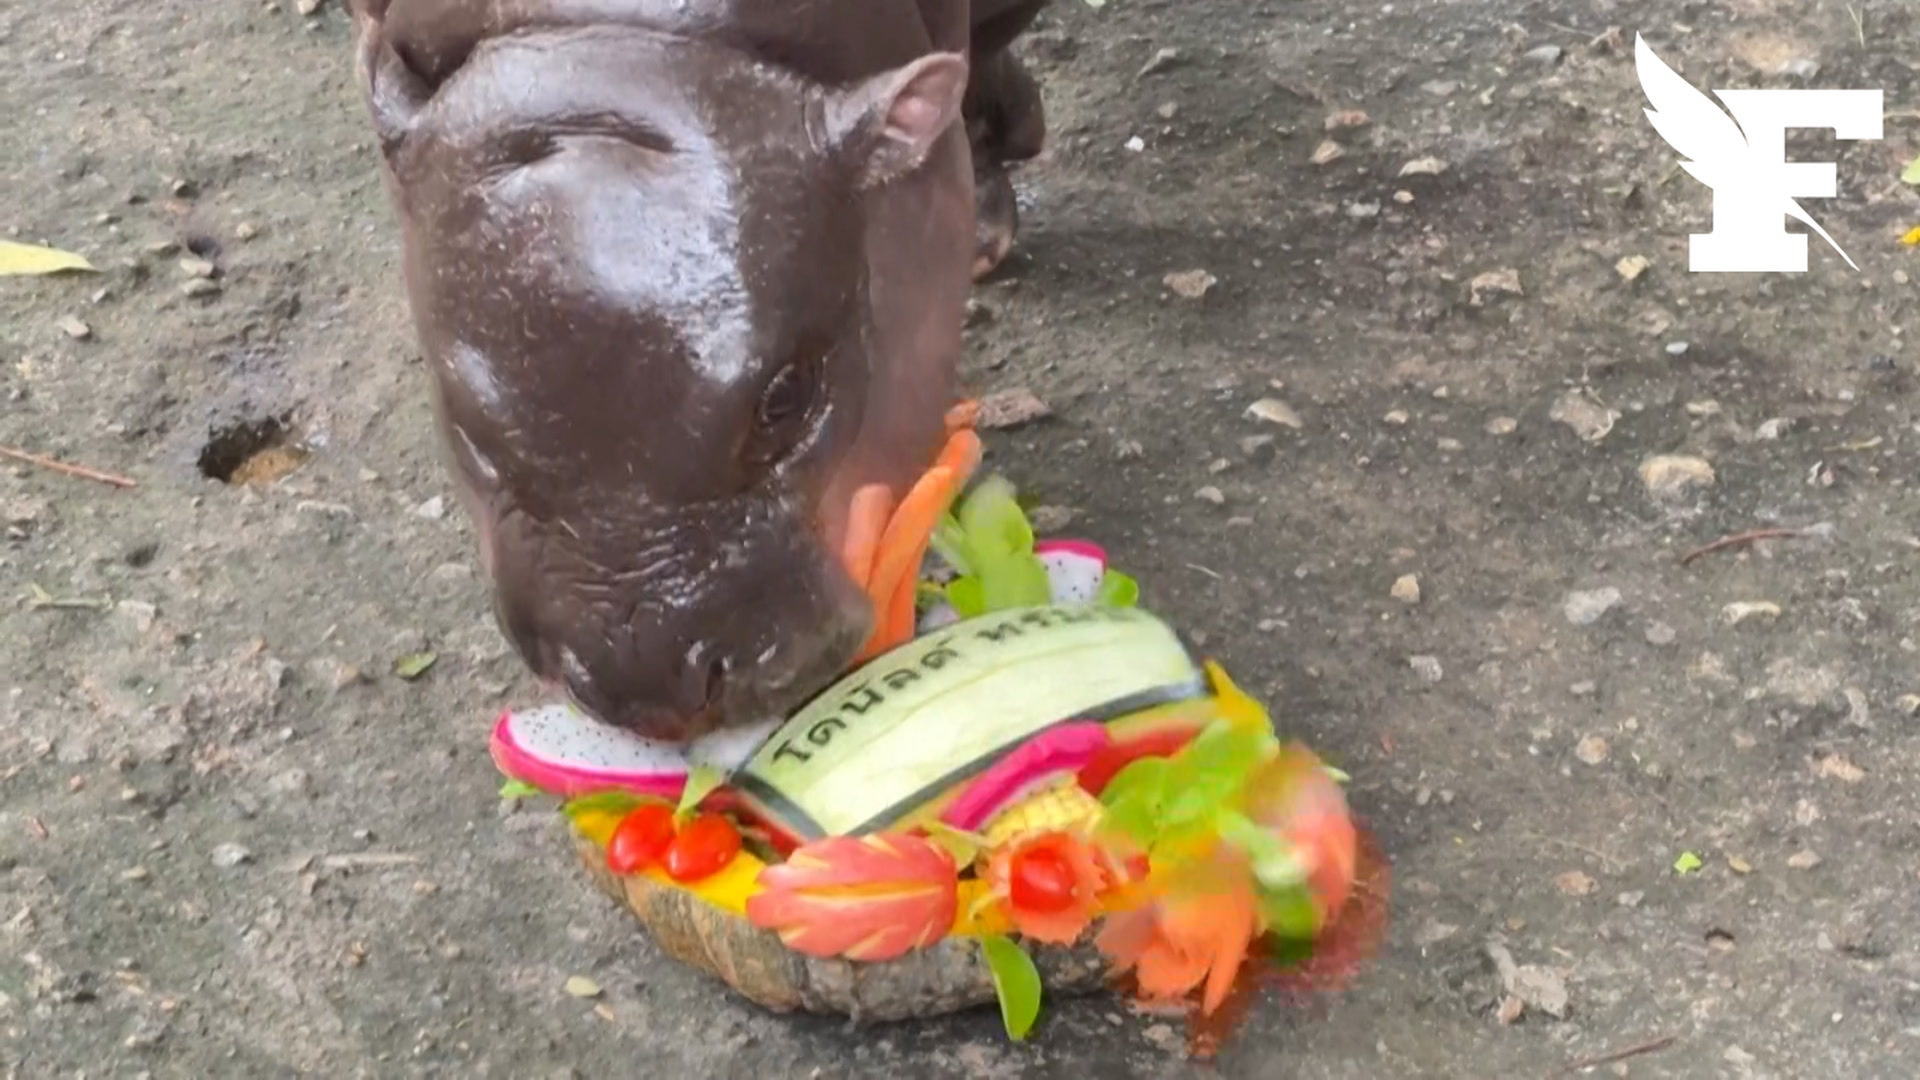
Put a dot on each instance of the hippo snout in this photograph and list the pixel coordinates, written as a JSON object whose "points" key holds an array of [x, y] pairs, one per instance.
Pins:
{"points": [[682, 646]]}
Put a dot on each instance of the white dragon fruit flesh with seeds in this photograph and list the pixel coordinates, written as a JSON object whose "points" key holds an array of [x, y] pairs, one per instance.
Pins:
{"points": [[560, 750]]}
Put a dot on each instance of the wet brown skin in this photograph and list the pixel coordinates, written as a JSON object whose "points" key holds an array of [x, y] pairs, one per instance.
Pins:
{"points": [[688, 274]]}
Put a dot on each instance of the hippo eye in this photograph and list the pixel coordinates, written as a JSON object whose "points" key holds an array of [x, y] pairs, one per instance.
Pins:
{"points": [[785, 402]]}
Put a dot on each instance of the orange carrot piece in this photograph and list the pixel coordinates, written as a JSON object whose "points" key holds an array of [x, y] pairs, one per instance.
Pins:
{"points": [[866, 523], [962, 455], [902, 547]]}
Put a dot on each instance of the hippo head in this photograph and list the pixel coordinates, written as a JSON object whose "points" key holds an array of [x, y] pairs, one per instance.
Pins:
{"points": [[637, 268]]}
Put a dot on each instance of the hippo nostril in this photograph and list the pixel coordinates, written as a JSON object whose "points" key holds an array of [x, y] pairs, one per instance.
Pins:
{"points": [[716, 673]]}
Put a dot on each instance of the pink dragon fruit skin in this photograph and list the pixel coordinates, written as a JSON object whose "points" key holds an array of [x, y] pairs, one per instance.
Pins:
{"points": [[529, 747], [1062, 750]]}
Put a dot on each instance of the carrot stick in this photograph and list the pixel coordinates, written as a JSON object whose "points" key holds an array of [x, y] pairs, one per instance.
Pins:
{"points": [[963, 415], [866, 523], [901, 548]]}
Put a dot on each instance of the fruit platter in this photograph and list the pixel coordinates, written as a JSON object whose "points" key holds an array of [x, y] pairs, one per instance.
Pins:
{"points": [[1032, 787]]}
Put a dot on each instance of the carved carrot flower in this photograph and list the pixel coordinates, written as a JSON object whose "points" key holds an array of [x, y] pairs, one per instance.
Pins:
{"points": [[1049, 883], [1185, 938]]}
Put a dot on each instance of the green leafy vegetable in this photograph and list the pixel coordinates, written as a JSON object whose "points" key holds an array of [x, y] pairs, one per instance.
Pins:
{"points": [[414, 665], [611, 802], [1212, 769], [1687, 863], [1911, 174], [1290, 914], [1017, 982], [1117, 590], [703, 781], [1134, 796], [518, 789], [1275, 865], [963, 846]]}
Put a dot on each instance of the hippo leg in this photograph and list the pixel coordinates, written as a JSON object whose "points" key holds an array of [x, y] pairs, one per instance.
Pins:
{"points": [[1006, 125]]}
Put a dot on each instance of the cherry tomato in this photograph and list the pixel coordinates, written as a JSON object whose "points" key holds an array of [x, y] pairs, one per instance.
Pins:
{"points": [[1041, 881], [704, 847], [640, 838]]}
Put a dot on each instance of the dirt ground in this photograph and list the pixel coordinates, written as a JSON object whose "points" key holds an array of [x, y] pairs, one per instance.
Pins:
{"points": [[234, 843]]}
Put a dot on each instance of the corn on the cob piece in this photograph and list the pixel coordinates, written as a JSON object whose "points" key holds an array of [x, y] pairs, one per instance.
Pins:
{"points": [[1060, 806]]}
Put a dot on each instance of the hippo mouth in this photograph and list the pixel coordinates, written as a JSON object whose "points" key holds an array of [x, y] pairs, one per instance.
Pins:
{"points": [[885, 554], [563, 751]]}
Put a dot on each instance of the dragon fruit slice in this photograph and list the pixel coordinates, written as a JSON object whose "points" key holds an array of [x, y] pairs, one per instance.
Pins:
{"points": [[561, 751], [1064, 749], [1075, 567]]}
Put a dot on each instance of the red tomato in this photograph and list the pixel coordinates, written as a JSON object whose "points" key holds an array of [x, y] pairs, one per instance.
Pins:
{"points": [[1041, 881], [641, 838], [703, 848]]}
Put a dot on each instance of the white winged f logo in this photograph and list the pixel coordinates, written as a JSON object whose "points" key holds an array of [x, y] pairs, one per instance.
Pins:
{"points": [[1743, 158]]}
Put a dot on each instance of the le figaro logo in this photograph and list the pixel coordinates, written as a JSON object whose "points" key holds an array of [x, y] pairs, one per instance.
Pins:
{"points": [[1742, 157]]}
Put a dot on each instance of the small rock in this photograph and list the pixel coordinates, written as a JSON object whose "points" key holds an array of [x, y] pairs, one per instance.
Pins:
{"points": [[1275, 411], [245, 231], [1676, 348], [1804, 860], [1406, 589], [1161, 60], [1703, 408], [1403, 197], [1440, 87], [1211, 494], [1545, 55], [143, 614], [1218, 466], [1257, 448], [1502, 282], [1837, 767], [1584, 688], [1167, 110], [1630, 267], [1542, 989], [1575, 883], [228, 856], [1908, 704], [195, 266], [1670, 476], [1426, 166], [1502, 425], [1363, 211], [74, 328], [1586, 417], [1659, 633], [1772, 430], [292, 782], [1129, 450], [1346, 119], [582, 987], [1740, 611], [1800, 67], [1397, 417], [1630, 899], [1327, 153], [161, 248], [1135, 144], [1427, 667], [1739, 865], [1510, 1010], [1012, 408], [433, 509], [1584, 607], [1190, 284], [135, 873], [1592, 750], [1050, 519], [200, 289]]}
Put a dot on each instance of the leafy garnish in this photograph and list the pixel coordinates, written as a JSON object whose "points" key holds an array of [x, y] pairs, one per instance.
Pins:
{"points": [[703, 781], [1016, 981], [414, 665], [1687, 863], [1275, 865], [518, 789], [601, 802], [963, 846], [1290, 914], [1117, 590]]}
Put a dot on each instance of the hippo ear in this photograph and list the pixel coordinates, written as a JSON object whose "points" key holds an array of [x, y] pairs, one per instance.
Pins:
{"points": [[888, 124], [394, 93]]}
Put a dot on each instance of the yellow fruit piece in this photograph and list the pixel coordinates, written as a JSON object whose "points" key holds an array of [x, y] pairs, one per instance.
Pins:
{"points": [[727, 890], [987, 920], [1064, 806], [598, 825]]}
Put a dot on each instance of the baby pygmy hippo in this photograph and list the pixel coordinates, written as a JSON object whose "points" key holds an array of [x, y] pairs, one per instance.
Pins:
{"points": [[687, 274]]}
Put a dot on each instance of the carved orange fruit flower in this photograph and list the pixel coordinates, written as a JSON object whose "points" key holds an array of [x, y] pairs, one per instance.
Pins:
{"points": [[861, 897]]}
